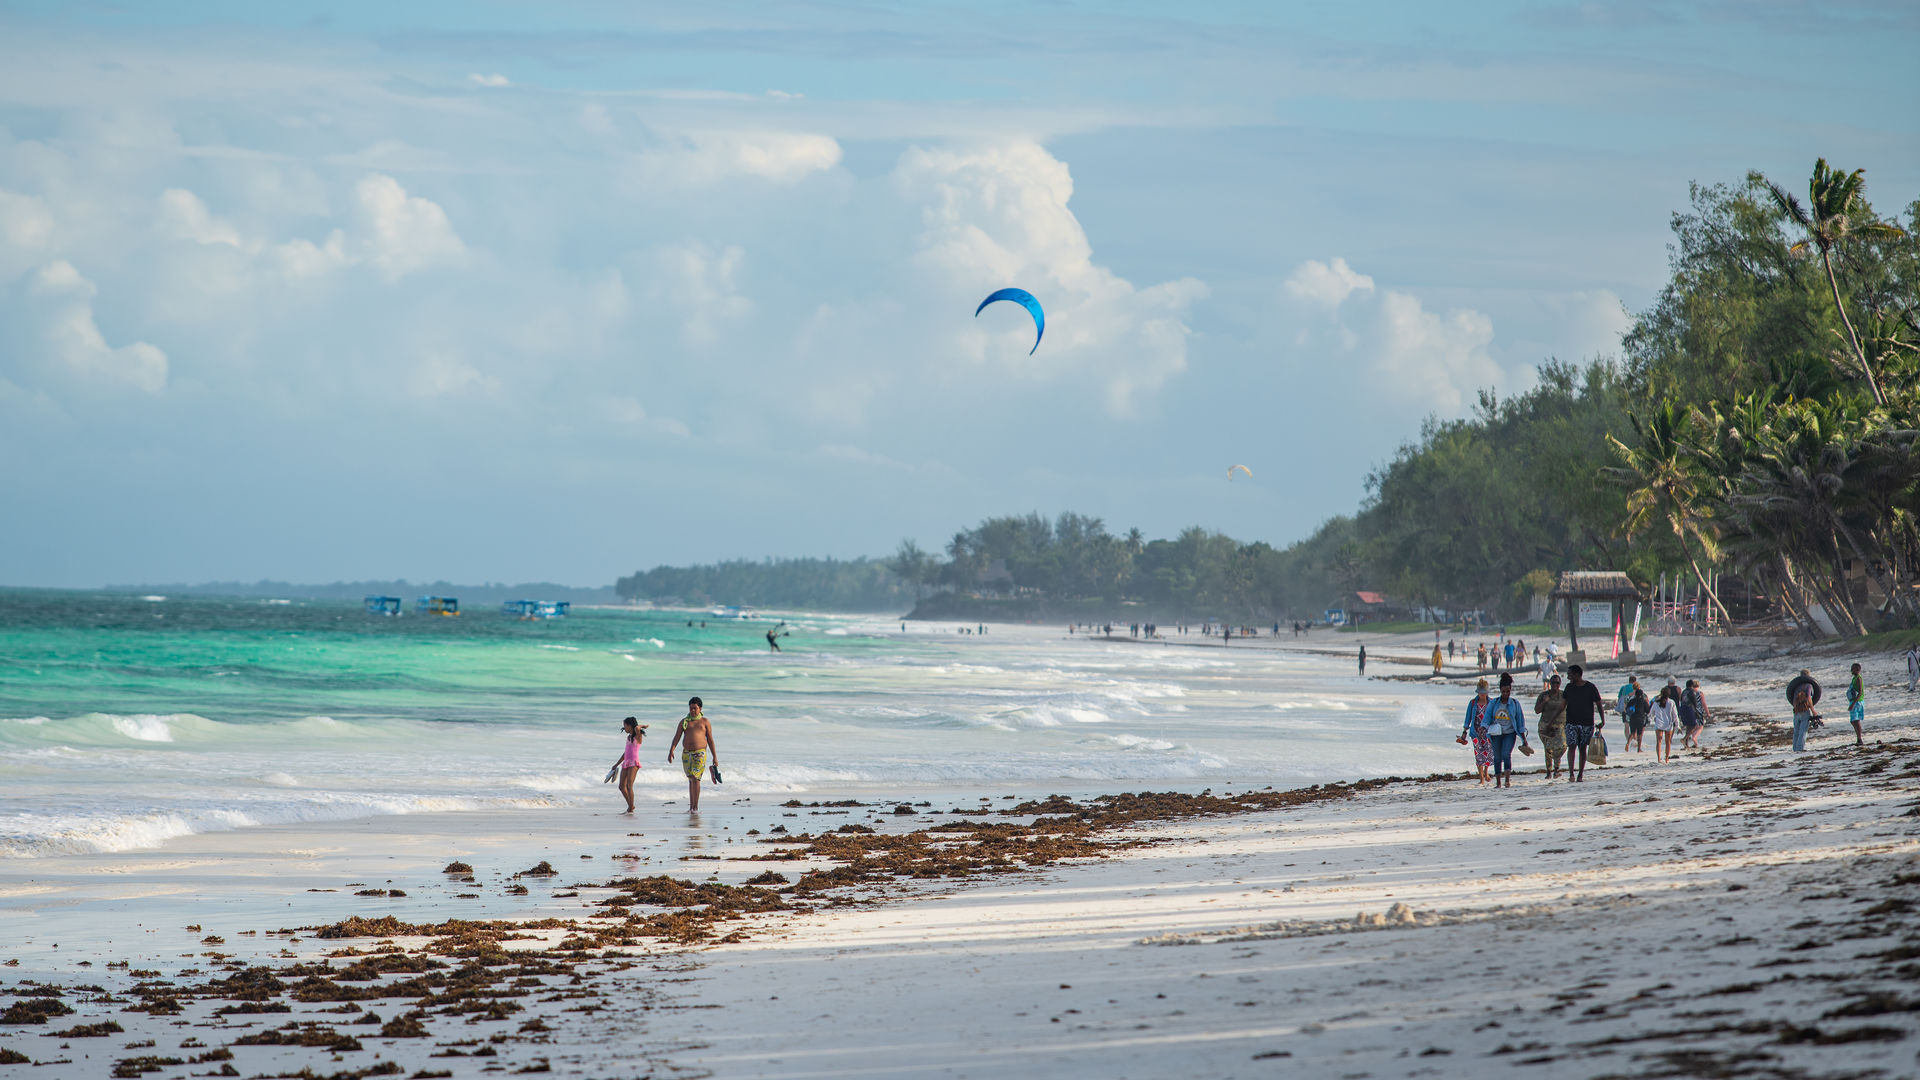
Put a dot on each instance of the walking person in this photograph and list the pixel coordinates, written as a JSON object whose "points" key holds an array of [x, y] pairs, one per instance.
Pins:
{"points": [[1475, 729], [1664, 718], [1550, 716], [1363, 659], [1857, 705], [1693, 713], [1506, 722], [700, 752], [1436, 658], [1633, 712], [1586, 714], [629, 763], [1913, 667], [1804, 693]]}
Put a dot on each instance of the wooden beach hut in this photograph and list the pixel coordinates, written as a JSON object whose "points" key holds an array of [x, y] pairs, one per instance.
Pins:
{"points": [[1596, 600]]}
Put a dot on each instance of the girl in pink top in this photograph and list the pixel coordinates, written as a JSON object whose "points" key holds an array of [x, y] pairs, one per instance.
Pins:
{"points": [[629, 762]]}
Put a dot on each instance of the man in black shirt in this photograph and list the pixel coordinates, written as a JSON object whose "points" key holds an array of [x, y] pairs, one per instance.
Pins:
{"points": [[1586, 710]]}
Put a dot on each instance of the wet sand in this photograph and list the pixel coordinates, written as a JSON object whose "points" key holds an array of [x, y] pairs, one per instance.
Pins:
{"points": [[1743, 911]]}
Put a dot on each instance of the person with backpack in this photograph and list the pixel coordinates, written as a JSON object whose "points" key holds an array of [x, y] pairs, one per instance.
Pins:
{"points": [[1693, 713], [1633, 706], [1857, 705], [1804, 693]]}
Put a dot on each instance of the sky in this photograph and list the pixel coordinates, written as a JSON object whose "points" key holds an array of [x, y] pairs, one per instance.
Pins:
{"points": [[488, 291]]}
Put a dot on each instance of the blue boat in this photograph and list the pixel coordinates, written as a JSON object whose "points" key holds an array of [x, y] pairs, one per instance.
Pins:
{"points": [[436, 605], [535, 609], [383, 605]]}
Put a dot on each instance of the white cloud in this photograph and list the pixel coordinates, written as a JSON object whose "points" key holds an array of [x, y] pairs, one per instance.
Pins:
{"points": [[1326, 284], [699, 158], [1439, 360], [495, 79], [998, 216], [184, 217], [1434, 360], [629, 413], [74, 339], [443, 372], [300, 258], [697, 283], [26, 230], [403, 233]]}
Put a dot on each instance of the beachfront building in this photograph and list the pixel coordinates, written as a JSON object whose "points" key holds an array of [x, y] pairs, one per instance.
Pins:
{"points": [[1597, 602], [1365, 606]]}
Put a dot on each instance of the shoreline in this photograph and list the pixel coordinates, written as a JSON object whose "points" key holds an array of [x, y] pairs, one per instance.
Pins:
{"points": [[1667, 903]]}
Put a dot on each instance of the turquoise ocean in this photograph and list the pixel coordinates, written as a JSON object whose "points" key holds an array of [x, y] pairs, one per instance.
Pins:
{"points": [[126, 721]]}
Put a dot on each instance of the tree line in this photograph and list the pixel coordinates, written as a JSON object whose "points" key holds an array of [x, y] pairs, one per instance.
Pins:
{"points": [[826, 584], [1759, 432]]}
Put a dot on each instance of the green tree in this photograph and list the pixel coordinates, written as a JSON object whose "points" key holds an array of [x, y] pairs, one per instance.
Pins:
{"points": [[1836, 212]]}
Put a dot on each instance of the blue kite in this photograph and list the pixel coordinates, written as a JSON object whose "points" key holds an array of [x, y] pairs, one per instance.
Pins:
{"points": [[1024, 299]]}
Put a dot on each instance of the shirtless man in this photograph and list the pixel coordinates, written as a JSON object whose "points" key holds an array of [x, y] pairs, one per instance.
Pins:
{"points": [[697, 730]]}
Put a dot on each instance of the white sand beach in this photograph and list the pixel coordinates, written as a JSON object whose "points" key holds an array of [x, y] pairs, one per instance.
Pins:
{"points": [[1743, 911]]}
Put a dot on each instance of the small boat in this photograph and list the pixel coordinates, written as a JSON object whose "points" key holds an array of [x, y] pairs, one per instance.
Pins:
{"points": [[728, 611], [536, 609], [383, 605], [436, 605]]}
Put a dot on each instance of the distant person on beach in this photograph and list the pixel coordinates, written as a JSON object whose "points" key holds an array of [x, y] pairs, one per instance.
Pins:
{"points": [[1475, 730], [1586, 713], [1913, 667], [1664, 718], [1506, 722], [1623, 704], [1856, 704], [629, 763], [1450, 652], [1508, 648], [1637, 709], [771, 636], [1804, 693], [1436, 659], [1550, 715], [1480, 657], [700, 751], [1363, 664], [1693, 713]]}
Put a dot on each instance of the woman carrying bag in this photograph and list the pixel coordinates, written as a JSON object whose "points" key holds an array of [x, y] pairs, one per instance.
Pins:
{"points": [[1475, 729]]}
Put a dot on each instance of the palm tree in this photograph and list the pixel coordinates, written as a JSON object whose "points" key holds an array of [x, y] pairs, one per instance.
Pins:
{"points": [[1833, 199], [1664, 476]]}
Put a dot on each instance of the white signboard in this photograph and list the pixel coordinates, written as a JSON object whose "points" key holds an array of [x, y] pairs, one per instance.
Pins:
{"points": [[1596, 615]]}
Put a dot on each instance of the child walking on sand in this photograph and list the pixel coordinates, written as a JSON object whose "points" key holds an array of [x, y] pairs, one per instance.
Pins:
{"points": [[701, 753], [629, 763]]}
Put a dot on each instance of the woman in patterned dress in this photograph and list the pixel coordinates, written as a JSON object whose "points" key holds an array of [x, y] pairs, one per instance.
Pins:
{"points": [[1475, 729]]}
